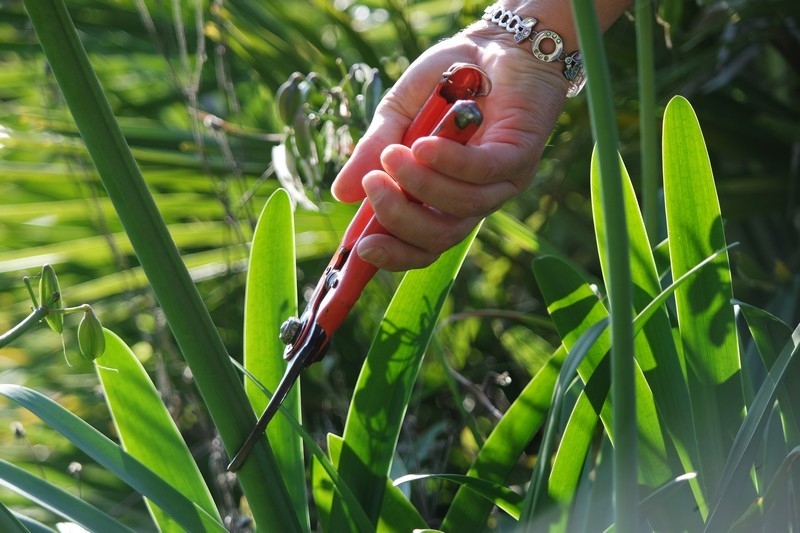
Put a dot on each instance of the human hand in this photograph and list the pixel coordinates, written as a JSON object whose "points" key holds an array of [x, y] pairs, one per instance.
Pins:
{"points": [[458, 185]]}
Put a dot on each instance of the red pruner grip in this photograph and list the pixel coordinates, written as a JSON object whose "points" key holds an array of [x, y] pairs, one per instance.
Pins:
{"points": [[449, 112]]}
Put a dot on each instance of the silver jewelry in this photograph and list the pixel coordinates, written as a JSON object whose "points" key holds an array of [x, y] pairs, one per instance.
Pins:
{"points": [[522, 28]]}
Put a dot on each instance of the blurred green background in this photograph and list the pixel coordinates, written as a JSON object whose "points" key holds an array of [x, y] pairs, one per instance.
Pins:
{"points": [[193, 84]]}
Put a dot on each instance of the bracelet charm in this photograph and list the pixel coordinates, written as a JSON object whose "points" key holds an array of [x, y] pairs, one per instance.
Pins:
{"points": [[523, 29]]}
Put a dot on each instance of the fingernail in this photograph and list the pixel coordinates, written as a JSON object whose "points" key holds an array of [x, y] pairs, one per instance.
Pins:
{"points": [[375, 255], [373, 188], [391, 159], [425, 152]]}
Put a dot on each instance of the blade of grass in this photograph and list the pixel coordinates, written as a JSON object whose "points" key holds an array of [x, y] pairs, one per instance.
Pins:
{"points": [[188, 318], [387, 378], [271, 298], [618, 283], [116, 460], [56, 500], [705, 314], [135, 404]]}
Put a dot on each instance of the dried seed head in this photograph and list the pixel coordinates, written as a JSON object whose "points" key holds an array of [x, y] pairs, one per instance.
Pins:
{"points": [[18, 430], [74, 469], [91, 338]]}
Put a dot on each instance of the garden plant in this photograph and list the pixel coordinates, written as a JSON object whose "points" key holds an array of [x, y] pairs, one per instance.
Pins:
{"points": [[581, 364]]}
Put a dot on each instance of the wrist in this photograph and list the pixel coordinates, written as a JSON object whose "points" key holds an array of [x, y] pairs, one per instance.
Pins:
{"points": [[546, 45], [553, 15]]}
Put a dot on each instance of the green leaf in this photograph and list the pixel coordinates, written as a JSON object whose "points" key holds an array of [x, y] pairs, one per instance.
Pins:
{"points": [[575, 308], [184, 309], [770, 334], [56, 500], [387, 378], [501, 496], [740, 461], [578, 352], [499, 454], [120, 463], [658, 500], [271, 298], [9, 522], [397, 512], [146, 429], [655, 347], [32, 525], [705, 314]]}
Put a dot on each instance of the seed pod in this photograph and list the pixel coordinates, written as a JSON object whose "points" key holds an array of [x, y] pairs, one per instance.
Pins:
{"points": [[289, 98], [50, 298], [91, 339]]}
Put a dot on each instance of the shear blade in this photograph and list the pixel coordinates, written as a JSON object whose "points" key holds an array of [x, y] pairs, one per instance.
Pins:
{"points": [[293, 371]]}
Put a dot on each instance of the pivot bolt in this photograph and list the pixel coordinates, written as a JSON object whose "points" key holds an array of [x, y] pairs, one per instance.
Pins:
{"points": [[289, 330]]}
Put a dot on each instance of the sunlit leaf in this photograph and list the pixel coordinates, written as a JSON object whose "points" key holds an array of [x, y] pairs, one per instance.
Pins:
{"points": [[655, 348], [505, 498], [112, 457], [387, 379], [135, 404], [502, 449], [271, 298], [705, 314]]}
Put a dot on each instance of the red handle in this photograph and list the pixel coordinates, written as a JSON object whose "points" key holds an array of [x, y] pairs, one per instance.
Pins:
{"points": [[460, 122]]}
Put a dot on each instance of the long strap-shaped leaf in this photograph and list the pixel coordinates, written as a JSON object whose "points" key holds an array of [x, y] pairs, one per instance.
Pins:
{"points": [[114, 459], [387, 378], [9, 522], [54, 499], [146, 429], [270, 298], [502, 449], [656, 351], [183, 307], [740, 460], [705, 313]]}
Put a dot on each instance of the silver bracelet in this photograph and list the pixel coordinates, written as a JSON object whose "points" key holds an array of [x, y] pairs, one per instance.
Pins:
{"points": [[522, 28]]}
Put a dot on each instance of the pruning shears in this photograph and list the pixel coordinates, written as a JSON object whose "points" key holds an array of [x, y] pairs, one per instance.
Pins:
{"points": [[449, 112]]}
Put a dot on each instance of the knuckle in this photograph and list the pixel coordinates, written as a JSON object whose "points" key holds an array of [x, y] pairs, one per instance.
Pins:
{"points": [[442, 241], [470, 206]]}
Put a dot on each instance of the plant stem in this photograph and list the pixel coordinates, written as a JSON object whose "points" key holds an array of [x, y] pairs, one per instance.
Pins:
{"points": [[623, 392], [31, 321], [648, 129], [183, 307]]}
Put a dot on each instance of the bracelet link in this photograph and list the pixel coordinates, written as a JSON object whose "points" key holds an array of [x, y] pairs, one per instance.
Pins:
{"points": [[522, 28]]}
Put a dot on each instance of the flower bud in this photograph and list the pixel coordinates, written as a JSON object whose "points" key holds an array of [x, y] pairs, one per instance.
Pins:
{"points": [[91, 338], [50, 298]]}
